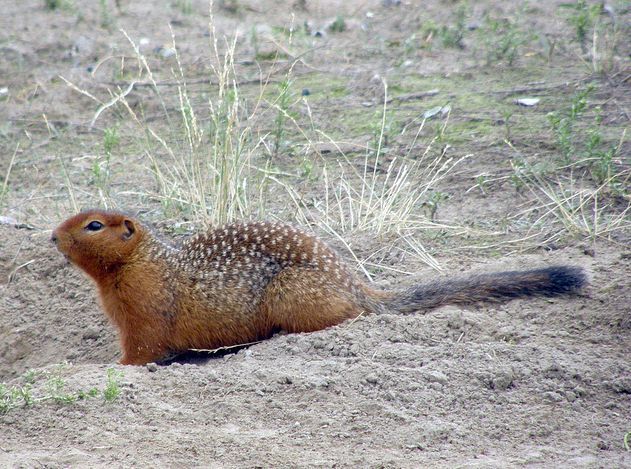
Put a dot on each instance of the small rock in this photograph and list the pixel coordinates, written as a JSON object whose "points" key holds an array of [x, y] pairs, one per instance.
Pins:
{"points": [[318, 382], [473, 26], [622, 385], [165, 52], [8, 221], [579, 391], [432, 112], [436, 386], [319, 343], [533, 457], [442, 110], [502, 380], [372, 378], [92, 333], [589, 251], [527, 102], [455, 319], [435, 377], [553, 396], [285, 380], [305, 92], [602, 445], [152, 367]]}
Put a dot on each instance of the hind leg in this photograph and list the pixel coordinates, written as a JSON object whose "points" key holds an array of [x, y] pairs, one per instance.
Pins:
{"points": [[302, 299]]}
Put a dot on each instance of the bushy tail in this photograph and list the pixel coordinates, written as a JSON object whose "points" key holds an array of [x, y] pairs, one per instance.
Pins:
{"points": [[491, 287]]}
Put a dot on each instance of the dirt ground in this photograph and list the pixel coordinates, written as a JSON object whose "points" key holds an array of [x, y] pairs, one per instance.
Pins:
{"points": [[535, 382]]}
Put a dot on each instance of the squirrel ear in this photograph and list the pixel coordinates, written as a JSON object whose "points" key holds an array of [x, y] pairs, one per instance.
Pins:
{"points": [[131, 228]]}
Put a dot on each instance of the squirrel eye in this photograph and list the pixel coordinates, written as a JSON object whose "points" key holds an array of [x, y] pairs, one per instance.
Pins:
{"points": [[94, 226]]}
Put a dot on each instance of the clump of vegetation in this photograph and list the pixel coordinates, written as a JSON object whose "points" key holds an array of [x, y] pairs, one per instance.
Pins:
{"points": [[282, 106], [107, 20], [338, 25], [583, 19], [586, 145], [503, 39], [231, 6], [563, 123], [112, 386], [185, 6], [447, 35], [54, 390], [58, 4], [101, 173]]}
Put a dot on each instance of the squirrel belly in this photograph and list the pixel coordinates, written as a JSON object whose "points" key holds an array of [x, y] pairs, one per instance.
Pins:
{"points": [[244, 281]]}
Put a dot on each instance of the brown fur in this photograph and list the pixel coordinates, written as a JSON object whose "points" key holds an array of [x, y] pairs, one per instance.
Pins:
{"points": [[242, 282]]}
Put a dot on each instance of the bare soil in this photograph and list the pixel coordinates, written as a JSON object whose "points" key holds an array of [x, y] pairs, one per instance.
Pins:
{"points": [[536, 382]]}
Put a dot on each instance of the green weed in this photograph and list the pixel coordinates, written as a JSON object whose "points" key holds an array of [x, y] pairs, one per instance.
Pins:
{"points": [[452, 36], [254, 42], [586, 144], [597, 36], [59, 4], [583, 19], [503, 39], [447, 36], [282, 106], [231, 6], [101, 172], [53, 389], [338, 25], [111, 140], [107, 20], [112, 387], [433, 201], [185, 6], [56, 390], [563, 123]]}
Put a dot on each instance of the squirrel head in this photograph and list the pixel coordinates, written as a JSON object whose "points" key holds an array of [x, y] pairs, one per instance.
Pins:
{"points": [[98, 241]]}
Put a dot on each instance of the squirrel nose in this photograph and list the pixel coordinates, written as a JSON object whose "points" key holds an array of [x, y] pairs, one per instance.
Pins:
{"points": [[53, 238]]}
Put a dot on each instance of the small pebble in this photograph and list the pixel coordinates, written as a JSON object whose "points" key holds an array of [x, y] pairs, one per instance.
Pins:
{"points": [[553, 396], [502, 380], [91, 333], [372, 378], [435, 377]]}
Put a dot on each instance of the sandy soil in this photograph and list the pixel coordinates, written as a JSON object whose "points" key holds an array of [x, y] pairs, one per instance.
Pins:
{"points": [[537, 382]]}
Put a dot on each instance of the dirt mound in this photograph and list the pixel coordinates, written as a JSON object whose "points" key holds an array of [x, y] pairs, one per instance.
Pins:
{"points": [[530, 382]]}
